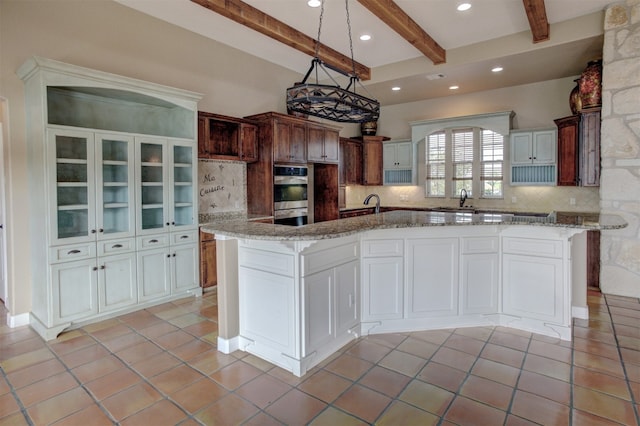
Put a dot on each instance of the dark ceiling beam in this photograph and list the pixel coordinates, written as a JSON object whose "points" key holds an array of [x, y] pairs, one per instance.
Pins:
{"points": [[391, 14], [257, 20], [537, 15]]}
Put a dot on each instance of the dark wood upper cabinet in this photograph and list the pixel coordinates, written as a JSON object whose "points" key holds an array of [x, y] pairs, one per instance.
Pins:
{"points": [[289, 141], [350, 162], [568, 150], [226, 138], [322, 144], [372, 159], [579, 148]]}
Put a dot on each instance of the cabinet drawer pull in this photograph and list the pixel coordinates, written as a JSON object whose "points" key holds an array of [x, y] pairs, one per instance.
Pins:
{"points": [[184, 237], [116, 246], [73, 252], [153, 241]]}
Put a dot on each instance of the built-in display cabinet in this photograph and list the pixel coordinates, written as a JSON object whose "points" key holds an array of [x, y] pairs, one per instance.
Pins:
{"points": [[579, 148], [113, 216], [397, 162], [533, 157]]}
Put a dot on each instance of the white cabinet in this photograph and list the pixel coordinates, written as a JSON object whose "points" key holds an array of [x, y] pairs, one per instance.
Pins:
{"points": [[533, 147], [167, 264], [397, 162], [382, 279], [432, 277], [111, 160], [533, 277], [479, 275], [331, 295], [92, 185], [533, 157]]}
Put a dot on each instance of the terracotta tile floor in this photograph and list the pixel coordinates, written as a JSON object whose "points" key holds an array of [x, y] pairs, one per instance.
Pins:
{"points": [[160, 366]]}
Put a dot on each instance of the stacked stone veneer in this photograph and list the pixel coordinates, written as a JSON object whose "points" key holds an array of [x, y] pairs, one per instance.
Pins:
{"points": [[620, 138]]}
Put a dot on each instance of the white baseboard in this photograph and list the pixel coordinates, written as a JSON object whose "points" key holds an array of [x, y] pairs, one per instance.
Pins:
{"points": [[17, 320], [580, 312], [226, 346]]}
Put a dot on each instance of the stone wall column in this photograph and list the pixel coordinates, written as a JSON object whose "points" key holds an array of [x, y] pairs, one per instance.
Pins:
{"points": [[620, 138]]}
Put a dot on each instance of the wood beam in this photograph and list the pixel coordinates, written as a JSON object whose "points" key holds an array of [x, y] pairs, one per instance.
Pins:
{"points": [[257, 20], [391, 14], [537, 15]]}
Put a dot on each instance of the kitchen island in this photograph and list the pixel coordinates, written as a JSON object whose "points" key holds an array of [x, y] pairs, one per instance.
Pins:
{"points": [[295, 295]]}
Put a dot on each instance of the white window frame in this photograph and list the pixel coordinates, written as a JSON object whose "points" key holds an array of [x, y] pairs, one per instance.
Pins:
{"points": [[475, 191]]}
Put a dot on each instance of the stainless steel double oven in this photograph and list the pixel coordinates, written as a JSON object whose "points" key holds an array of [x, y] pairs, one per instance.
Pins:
{"points": [[290, 194]]}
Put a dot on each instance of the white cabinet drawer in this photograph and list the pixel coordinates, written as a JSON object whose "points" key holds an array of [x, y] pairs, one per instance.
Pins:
{"points": [[72, 252], [152, 241], [184, 237], [382, 248], [325, 259], [532, 246], [268, 261], [124, 245], [479, 245]]}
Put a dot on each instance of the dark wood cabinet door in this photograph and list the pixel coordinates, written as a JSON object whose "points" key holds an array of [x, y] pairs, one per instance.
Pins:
{"points": [[331, 146], [315, 144], [249, 142], [372, 161], [203, 137], [208, 263], [568, 150], [282, 136], [298, 143], [325, 192], [350, 162]]}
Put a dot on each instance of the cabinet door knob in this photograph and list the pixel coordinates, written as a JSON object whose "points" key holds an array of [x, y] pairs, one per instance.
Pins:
{"points": [[101, 266], [169, 255], [101, 230], [173, 223], [167, 223], [93, 231], [95, 268]]}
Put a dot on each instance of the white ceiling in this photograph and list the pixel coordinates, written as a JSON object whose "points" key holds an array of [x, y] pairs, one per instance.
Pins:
{"points": [[492, 32]]}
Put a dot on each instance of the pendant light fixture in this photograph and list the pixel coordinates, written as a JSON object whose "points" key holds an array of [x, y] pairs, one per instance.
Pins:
{"points": [[332, 102]]}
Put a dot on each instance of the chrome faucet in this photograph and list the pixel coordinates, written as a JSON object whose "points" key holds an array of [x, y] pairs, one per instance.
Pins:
{"points": [[463, 197], [366, 201]]}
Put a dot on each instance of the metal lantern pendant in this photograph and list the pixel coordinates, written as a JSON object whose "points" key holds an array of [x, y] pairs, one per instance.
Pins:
{"points": [[332, 102]]}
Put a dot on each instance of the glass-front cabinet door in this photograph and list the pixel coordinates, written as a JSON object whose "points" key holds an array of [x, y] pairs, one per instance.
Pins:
{"points": [[152, 195], [183, 211], [72, 200], [114, 186]]}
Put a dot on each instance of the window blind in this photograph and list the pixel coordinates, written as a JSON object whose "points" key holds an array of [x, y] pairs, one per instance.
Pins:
{"points": [[491, 163], [462, 158], [435, 153]]}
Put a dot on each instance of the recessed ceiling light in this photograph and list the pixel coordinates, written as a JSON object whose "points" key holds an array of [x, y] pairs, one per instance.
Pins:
{"points": [[365, 37], [314, 3], [496, 69], [395, 88], [454, 87], [464, 6]]}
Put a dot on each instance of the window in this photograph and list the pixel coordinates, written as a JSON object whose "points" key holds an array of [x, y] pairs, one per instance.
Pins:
{"points": [[467, 158], [435, 164], [462, 158]]}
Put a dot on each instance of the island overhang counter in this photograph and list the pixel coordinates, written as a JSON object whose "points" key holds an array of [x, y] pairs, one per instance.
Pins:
{"points": [[295, 295]]}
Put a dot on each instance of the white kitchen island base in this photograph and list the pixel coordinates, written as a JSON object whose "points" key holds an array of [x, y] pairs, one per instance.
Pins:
{"points": [[299, 301]]}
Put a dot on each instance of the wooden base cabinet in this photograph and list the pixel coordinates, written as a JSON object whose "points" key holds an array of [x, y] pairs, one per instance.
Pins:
{"points": [[208, 261]]}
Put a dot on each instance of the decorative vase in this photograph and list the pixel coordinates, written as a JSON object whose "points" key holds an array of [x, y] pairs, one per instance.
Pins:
{"points": [[575, 103], [369, 128], [591, 84]]}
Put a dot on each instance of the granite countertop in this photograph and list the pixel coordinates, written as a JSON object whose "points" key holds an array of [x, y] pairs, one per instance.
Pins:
{"points": [[405, 219]]}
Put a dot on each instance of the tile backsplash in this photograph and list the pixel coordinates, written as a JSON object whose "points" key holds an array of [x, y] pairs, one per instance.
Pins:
{"points": [[222, 188], [517, 198]]}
